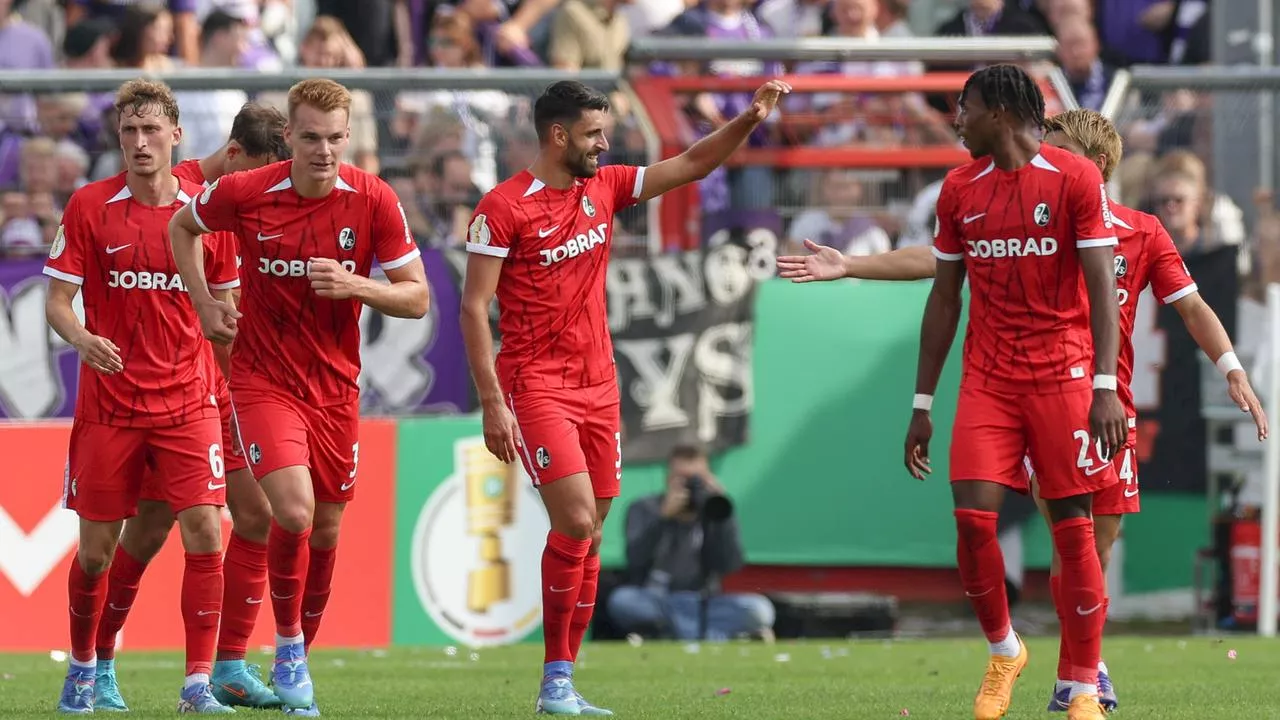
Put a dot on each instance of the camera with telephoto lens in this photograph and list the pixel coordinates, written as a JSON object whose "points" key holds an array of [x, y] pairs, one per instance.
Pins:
{"points": [[706, 503]]}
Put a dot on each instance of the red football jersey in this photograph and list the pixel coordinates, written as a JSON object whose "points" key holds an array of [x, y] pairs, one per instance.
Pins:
{"points": [[1018, 233], [290, 338], [189, 171], [551, 297], [1145, 256], [117, 250]]}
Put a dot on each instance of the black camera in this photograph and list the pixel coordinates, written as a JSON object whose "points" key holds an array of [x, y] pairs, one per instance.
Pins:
{"points": [[706, 504]]}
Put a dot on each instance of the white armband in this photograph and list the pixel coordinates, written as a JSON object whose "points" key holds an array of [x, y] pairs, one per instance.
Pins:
{"points": [[1228, 362], [922, 402], [1104, 382]]}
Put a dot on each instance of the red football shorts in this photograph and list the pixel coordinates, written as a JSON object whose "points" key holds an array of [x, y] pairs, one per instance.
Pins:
{"points": [[994, 431], [106, 466], [232, 454], [565, 431], [277, 430], [1121, 498]]}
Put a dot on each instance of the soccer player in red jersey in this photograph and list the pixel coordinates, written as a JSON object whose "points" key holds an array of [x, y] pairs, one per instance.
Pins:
{"points": [[257, 138], [540, 241], [308, 232], [1145, 257], [147, 389]]}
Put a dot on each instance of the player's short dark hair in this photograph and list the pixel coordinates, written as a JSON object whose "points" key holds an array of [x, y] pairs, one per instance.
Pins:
{"points": [[1008, 88], [259, 130], [563, 103], [686, 452], [218, 21]]}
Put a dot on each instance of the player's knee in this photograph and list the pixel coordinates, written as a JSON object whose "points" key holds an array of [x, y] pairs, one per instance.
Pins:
{"points": [[201, 529], [294, 518], [144, 543], [251, 519], [578, 524], [94, 558]]}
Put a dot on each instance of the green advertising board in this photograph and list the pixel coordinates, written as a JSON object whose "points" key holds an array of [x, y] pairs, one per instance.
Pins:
{"points": [[820, 482]]}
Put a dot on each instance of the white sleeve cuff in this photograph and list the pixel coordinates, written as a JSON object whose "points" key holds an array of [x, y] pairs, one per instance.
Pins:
{"points": [[638, 190], [196, 214], [401, 261], [499, 252], [1175, 297], [64, 277], [1097, 242], [229, 285], [951, 257]]}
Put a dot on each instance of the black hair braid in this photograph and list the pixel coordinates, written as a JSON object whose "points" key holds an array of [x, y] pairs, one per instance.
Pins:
{"points": [[1009, 88]]}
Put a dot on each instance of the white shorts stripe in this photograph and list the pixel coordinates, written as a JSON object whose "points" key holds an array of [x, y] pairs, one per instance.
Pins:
{"points": [[524, 449]]}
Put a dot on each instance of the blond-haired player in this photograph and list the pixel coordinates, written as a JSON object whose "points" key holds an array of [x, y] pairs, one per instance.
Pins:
{"points": [[1146, 256]]}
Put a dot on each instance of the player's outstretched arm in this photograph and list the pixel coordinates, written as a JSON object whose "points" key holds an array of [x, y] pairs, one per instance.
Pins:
{"points": [[478, 290], [1207, 330], [937, 333], [217, 318], [826, 263], [1106, 417], [711, 151], [98, 353]]}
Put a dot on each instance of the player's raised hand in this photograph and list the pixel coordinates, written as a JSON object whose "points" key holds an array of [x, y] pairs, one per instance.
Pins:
{"points": [[919, 433], [767, 97], [1107, 423], [500, 431], [100, 354], [1241, 393], [330, 280], [218, 321], [825, 263]]}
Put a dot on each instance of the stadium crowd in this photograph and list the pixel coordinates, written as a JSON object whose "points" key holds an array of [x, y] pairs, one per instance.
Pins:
{"points": [[442, 149]]}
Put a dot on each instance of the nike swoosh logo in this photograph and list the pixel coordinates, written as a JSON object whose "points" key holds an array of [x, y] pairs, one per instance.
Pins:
{"points": [[253, 601], [971, 218], [1090, 611], [202, 613], [312, 614], [264, 238], [282, 597], [114, 250], [1094, 470], [119, 609], [217, 487], [969, 594], [1130, 493], [586, 605], [544, 233], [346, 486], [560, 590], [242, 694]]}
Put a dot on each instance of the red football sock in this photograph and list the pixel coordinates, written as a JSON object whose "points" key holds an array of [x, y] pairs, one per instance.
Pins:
{"points": [[1064, 648], [122, 587], [1084, 602], [316, 596], [201, 608], [245, 571], [982, 571], [586, 604], [287, 558], [86, 595], [562, 561]]}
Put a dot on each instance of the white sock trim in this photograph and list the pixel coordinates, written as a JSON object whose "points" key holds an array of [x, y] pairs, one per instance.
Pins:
{"points": [[1082, 689], [196, 679], [90, 664], [282, 641]]}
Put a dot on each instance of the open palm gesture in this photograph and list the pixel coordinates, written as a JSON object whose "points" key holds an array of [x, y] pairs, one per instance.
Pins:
{"points": [[825, 263]]}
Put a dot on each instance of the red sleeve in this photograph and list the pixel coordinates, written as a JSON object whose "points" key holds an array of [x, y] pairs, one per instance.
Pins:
{"points": [[1091, 213], [1170, 279], [947, 241], [626, 182], [221, 265], [70, 246], [217, 206], [493, 227], [393, 243]]}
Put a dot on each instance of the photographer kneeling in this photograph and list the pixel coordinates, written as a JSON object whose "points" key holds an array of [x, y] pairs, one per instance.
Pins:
{"points": [[679, 545]]}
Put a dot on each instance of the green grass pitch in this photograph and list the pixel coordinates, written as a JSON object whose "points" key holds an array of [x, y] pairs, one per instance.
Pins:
{"points": [[1158, 677]]}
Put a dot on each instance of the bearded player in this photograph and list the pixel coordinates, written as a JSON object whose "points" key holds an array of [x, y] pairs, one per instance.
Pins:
{"points": [[1044, 328], [257, 138], [540, 241], [308, 231], [1145, 257], [147, 391]]}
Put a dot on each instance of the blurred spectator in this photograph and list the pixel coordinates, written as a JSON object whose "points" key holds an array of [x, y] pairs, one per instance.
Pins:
{"points": [[793, 18], [207, 115], [837, 221], [268, 24], [371, 25], [1186, 36], [1087, 74], [646, 17], [72, 171], [921, 218], [589, 34], [668, 553], [87, 45], [443, 199], [145, 38], [1058, 12], [22, 47], [1131, 30], [992, 17], [893, 19], [49, 16], [1205, 220], [180, 19], [525, 31], [328, 45], [67, 117]]}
